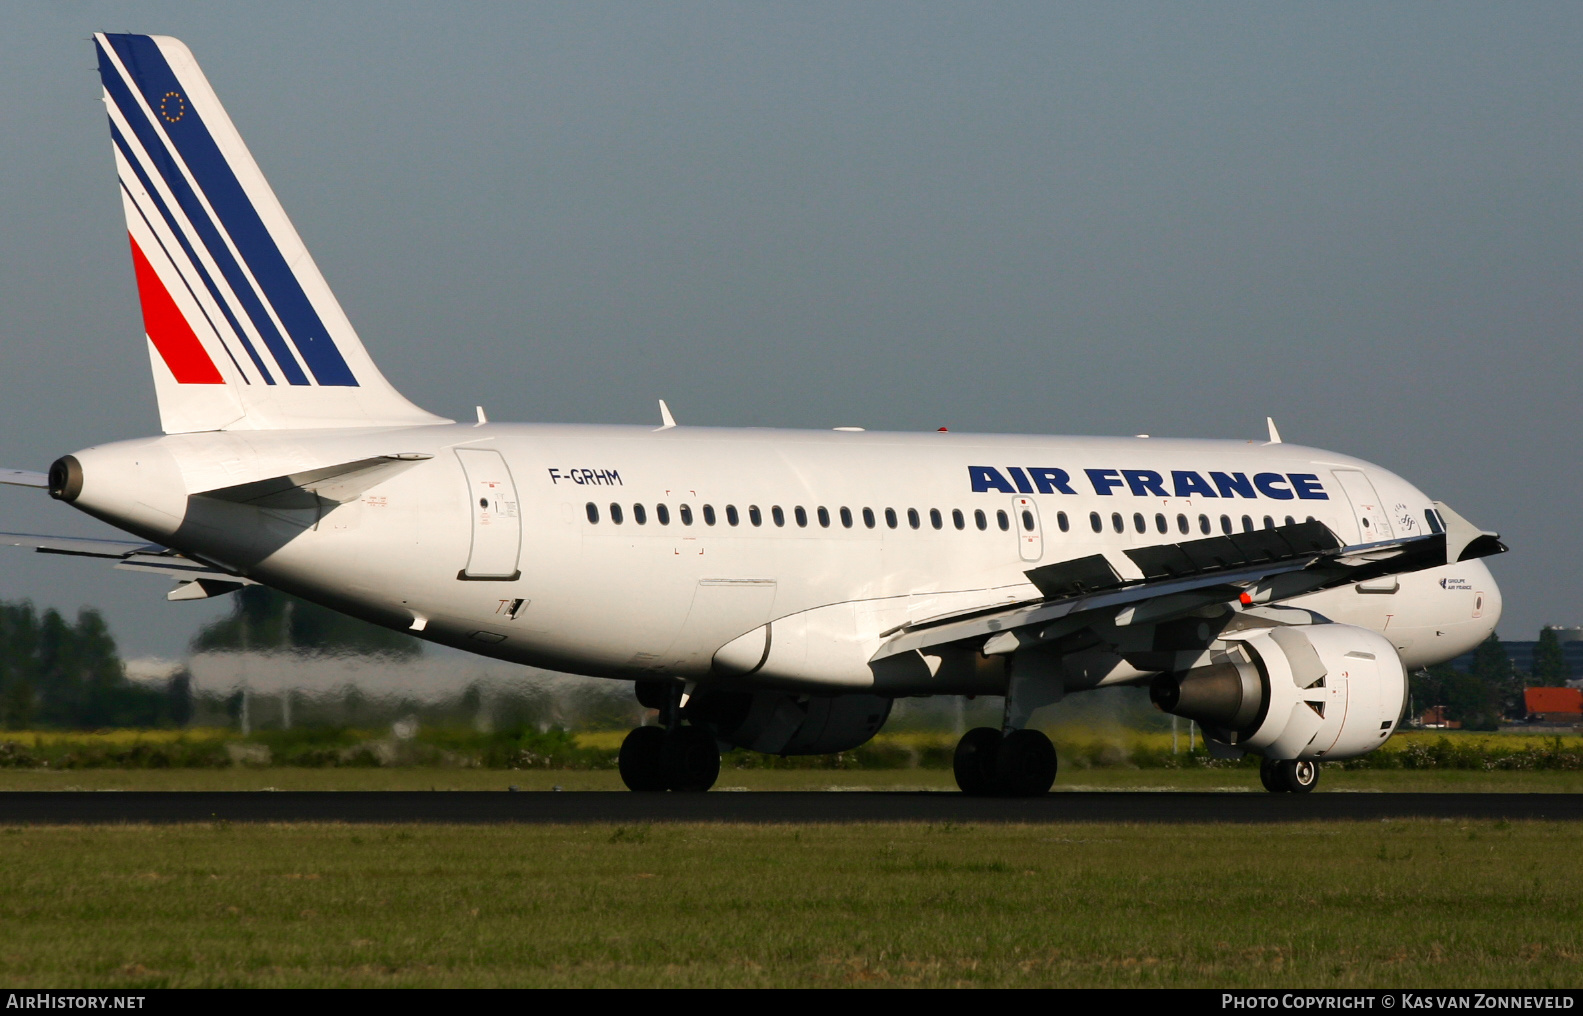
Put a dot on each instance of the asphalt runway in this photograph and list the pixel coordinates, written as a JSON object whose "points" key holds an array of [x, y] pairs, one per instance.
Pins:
{"points": [[478, 807]]}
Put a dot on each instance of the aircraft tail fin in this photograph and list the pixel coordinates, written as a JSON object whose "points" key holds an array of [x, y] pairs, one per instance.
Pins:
{"points": [[243, 332]]}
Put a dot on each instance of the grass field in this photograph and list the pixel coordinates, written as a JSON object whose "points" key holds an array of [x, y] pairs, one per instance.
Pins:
{"points": [[422, 778], [1337, 904]]}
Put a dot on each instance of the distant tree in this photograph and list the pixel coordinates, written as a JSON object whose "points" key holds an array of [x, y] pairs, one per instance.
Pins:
{"points": [[55, 673], [1427, 686], [262, 619], [1550, 663], [1502, 689]]}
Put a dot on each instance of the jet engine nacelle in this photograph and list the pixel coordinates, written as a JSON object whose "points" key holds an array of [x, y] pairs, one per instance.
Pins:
{"points": [[781, 723], [1318, 691]]}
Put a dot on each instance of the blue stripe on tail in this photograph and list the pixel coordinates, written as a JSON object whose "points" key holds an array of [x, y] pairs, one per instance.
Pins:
{"points": [[158, 83], [192, 256]]}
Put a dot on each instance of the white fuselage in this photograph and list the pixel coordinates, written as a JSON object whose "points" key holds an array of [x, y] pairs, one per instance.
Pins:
{"points": [[529, 564]]}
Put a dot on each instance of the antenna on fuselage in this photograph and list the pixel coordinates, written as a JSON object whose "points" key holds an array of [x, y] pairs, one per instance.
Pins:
{"points": [[667, 421], [1275, 435]]}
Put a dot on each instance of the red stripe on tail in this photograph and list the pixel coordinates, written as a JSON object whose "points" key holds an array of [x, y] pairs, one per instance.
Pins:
{"points": [[168, 329]]}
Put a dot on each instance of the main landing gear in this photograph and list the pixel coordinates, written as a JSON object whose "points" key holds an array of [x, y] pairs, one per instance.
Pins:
{"points": [[672, 757], [1297, 776], [1017, 763]]}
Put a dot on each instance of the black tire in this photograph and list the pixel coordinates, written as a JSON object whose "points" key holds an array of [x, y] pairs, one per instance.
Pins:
{"points": [[1025, 764], [1270, 776], [974, 761], [1300, 775], [691, 760], [641, 763]]}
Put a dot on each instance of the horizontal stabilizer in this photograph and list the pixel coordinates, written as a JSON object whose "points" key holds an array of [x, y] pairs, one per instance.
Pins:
{"points": [[24, 478], [132, 555], [314, 488]]}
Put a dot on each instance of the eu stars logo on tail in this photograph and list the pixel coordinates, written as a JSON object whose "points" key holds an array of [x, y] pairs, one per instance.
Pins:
{"points": [[243, 331]]}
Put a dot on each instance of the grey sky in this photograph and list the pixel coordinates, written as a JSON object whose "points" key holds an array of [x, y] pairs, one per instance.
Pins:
{"points": [[1170, 219]]}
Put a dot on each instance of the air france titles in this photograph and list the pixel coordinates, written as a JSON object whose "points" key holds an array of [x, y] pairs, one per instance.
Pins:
{"points": [[588, 477], [1148, 483]]}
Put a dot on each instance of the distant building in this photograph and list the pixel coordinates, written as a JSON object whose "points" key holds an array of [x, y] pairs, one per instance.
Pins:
{"points": [[1522, 654], [1435, 719], [1554, 705]]}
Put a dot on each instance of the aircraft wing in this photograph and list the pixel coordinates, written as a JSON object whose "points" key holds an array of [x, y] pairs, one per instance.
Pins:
{"points": [[1179, 578], [196, 580]]}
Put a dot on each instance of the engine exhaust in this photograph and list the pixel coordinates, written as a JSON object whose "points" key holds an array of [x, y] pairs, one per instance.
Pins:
{"points": [[1229, 696]]}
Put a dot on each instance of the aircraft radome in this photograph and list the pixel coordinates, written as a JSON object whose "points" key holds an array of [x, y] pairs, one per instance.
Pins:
{"points": [[769, 590]]}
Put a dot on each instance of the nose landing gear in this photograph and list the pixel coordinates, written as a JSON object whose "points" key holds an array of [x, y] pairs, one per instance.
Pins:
{"points": [[1297, 776]]}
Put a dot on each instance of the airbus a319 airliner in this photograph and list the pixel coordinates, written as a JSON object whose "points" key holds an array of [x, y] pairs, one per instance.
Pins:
{"points": [[763, 589]]}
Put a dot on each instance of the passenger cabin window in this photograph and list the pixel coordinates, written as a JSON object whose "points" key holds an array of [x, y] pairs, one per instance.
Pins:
{"points": [[1116, 523], [801, 516], [1290, 521], [1203, 524], [1138, 523], [1182, 525], [1027, 520], [639, 516], [824, 517], [890, 517], [846, 517], [912, 518], [1269, 523], [1094, 520], [1225, 524], [935, 519], [709, 514], [958, 519], [1004, 521], [754, 515], [615, 513], [1247, 524], [1062, 521], [1160, 523], [868, 517], [979, 519], [687, 515], [663, 514], [593, 513], [731, 515], [778, 516]]}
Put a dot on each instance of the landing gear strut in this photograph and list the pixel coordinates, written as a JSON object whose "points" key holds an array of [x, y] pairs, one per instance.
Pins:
{"points": [[1297, 776], [672, 757], [1018, 763]]}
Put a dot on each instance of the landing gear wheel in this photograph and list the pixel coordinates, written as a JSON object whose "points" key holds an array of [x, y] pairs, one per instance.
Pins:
{"points": [[1270, 776], [1025, 764], [1300, 775], [641, 763], [691, 759], [974, 762]]}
